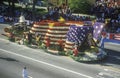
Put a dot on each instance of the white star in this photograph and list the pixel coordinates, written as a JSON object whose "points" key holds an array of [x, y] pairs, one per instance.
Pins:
{"points": [[101, 26], [83, 30], [98, 31], [96, 27]]}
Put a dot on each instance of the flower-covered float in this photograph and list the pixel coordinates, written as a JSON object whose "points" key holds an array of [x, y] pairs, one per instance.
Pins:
{"points": [[84, 46], [64, 36], [73, 38]]}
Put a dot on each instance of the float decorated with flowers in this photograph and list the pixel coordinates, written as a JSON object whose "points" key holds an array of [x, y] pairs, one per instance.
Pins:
{"points": [[64, 36], [78, 39]]}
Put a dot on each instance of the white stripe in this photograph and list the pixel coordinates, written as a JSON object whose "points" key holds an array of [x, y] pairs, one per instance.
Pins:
{"points": [[58, 67], [117, 38]]}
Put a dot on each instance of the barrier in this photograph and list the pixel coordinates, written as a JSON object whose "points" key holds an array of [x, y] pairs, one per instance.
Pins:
{"points": [[112, 37], [1, 19]]}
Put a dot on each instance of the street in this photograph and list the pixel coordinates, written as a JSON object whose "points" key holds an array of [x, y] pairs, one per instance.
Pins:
{"points": [[14, 57], [46, 64]]}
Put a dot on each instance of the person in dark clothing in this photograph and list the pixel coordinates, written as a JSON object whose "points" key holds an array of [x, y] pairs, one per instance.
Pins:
{"points": [[29, 38]]}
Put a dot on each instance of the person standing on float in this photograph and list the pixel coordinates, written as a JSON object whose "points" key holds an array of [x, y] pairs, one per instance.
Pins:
{"points": [[102, 41], [75, 50]]}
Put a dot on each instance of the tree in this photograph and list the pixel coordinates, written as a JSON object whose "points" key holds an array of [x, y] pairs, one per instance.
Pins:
{"points": [[1, 1], [80, 6], [33, 9]]}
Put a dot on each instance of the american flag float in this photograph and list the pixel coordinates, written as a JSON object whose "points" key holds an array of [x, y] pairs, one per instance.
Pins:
{"points": [[70, 32]]}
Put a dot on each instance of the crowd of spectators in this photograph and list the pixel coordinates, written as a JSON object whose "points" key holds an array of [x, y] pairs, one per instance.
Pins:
{"points": [[9, 15], [108, 9], [102, 9], [5, 13], [55, 12]]}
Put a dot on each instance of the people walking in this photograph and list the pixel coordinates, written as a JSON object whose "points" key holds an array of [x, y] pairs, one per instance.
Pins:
{"points": [[25, 73]]}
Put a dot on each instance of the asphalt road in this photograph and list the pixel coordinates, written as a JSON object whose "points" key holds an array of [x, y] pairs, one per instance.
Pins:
{"points": [[14, 57]]}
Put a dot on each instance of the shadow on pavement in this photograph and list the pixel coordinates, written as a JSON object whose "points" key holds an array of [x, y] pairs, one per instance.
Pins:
{"points": [[9, 59], [113, 58]]}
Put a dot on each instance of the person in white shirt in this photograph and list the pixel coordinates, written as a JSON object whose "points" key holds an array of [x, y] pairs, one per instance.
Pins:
{"points": [[25, 73]]}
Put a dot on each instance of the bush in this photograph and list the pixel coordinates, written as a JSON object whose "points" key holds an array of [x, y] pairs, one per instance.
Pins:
{"points": [[61, 53], [42, 46], [80, 6], [70, 52], [11, 39]]}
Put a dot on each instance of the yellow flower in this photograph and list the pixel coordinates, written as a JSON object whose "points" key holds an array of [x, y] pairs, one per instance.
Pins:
{"points": [[61, 19], [95, 39], [92, 47], [51, 25]]}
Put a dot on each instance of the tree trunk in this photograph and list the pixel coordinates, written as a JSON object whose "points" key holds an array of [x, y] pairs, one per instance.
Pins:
{"points": [[13, 8], [33, 10], [1, 1]]}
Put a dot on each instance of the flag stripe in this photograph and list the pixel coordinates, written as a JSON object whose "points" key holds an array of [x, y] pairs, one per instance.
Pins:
{"points": [[117, 36]]}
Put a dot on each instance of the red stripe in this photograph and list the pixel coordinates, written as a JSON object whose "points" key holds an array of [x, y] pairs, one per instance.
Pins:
{"points": [[117, 36]]}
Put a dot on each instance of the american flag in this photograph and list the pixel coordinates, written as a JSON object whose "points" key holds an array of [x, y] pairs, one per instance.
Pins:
{"points": [[117, 36], [98, 27], [78, 34], [89, 23]]}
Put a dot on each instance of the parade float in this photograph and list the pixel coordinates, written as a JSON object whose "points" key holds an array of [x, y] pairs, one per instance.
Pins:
{"points": [[80, 34], [73, 38]]}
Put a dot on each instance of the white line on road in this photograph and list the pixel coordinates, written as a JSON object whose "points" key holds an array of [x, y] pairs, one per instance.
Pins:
{"points": [[58, 67]]}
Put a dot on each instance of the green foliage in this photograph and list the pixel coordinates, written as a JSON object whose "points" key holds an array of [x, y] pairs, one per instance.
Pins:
{"points": [[53, 47], [41, 11], [42, 46], [26, 42], [70, 52], [95, 49], [11, 39], [80, 6], [61, 53]]}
